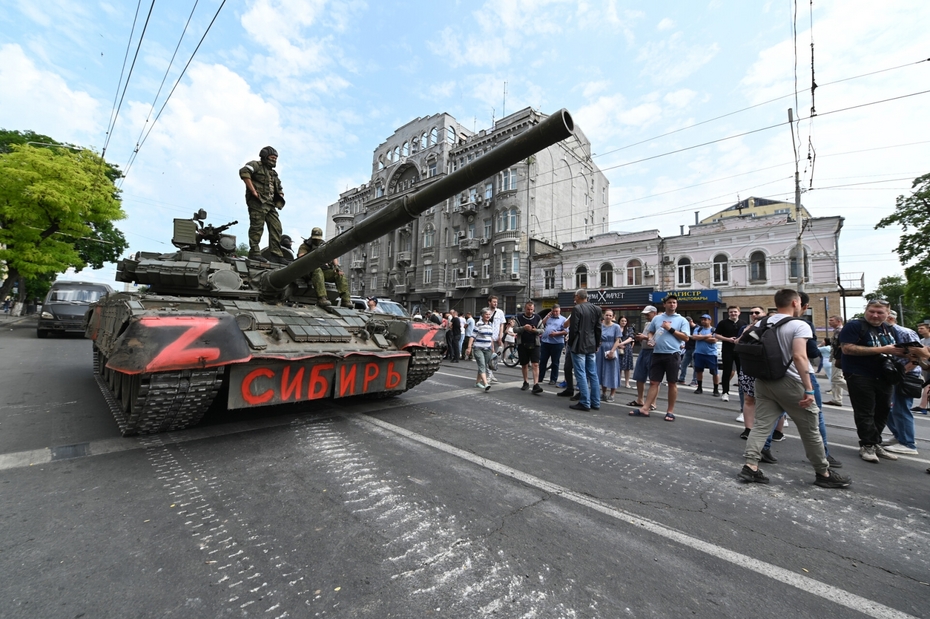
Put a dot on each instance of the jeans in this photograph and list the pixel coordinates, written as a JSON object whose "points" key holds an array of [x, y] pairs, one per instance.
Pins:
{"points": [[901, 419], [685, 362], [871, 402], [546, 352], [586, 376]]}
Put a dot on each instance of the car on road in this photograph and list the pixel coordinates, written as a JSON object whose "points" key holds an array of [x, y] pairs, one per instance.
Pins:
{"points": [[389, 306], [65, 305]]}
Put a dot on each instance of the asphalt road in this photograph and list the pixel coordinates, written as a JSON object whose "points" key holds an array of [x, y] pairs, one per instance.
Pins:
{"points": [[444, 502]]}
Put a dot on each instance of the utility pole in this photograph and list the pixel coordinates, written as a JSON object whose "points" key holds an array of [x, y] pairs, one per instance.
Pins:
{"points": [[800, 258]]}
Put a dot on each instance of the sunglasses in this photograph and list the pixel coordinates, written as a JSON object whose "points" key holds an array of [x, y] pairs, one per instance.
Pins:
{"points": [[756, 313]]}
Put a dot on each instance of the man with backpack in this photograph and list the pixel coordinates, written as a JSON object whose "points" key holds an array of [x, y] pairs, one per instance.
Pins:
{"points": [[774, 350], [864, 341]]}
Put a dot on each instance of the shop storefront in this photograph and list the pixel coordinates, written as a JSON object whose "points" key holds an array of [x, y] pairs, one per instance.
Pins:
{"points": [[627, 302], [694, 303]]}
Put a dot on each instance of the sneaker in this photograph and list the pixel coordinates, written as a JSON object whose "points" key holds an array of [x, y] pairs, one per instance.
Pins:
{"points": [[699, 390], [882, 453], [835, 480], [610, 399], [566, 393], [740, 418], [834, 463], [494, 379], [681, 382], [562, 385], [867, 453], [757, 476], [552, 383], [832, 403], [726, 398], [778, 436], [767, 457], [786, 423], [525, 386], [482, 386], [579, 407], [901, 449], [745, 434], [537, 389]]}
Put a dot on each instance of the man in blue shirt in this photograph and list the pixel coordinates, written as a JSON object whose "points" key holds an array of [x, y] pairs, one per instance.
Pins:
{"points": [[553, 340], [705, 354], [671, 331]]}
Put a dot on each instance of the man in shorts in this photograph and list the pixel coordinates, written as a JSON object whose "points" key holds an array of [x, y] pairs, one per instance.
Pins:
{"points": [[641, 370], [705, 354], [669, 331], [528, 332]]}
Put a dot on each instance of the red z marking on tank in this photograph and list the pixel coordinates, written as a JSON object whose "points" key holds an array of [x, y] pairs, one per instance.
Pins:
{"points": [[177, 353]]}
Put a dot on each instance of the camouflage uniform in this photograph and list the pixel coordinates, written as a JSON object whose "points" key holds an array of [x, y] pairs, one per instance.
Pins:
{"points": [[263, 209], [329, 272]]}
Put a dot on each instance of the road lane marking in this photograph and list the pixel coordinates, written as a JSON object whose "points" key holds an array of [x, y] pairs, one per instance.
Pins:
{"points": [[768, 570]]}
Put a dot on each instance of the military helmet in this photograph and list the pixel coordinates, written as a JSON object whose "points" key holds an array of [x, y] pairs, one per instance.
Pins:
{"points": [[266, 152], [316, 233], [286, 241]]}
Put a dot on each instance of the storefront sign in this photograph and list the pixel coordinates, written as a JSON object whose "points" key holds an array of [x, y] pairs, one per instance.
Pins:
{"points": [[610, 297], [688, 296]]}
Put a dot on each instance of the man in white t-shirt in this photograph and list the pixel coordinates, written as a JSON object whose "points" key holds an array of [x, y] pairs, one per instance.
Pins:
{"points": [[794, 394], [497, 322]]}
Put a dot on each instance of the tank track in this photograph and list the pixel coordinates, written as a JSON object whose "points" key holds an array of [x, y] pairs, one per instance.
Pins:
{"points": [[160, 402], [424, 362]]}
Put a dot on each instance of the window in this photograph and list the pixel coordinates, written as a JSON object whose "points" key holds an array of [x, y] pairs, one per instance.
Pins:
{"points": [[634, 273], [581, 277], [423, 142], [405, 150], [433, 136], [427, 275], [757, 267], [549, 278], [684, 271], [381, 162], [793, 264], [607, 275], [470, 269], [487, 228], [374, 283], [503, 265], [604, 195], [515, 264], [390, 249], [501, 221], [513, 219], [489, 191], [721, 269], [508, 180], [375, 250], [486, 269], [455, 235], [379, 191], [432, 168], [473, 194], [428, 236], [471, 231], [396, 156], [450, 135]]}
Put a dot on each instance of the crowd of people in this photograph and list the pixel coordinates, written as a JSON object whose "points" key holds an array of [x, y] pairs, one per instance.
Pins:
{"points": [[881, 366]]}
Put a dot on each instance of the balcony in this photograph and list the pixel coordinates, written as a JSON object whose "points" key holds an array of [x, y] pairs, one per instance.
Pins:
{"points": [[357, 265], [468, 208], [404, 258], [853, 284], [465, 282], [469, 245]]}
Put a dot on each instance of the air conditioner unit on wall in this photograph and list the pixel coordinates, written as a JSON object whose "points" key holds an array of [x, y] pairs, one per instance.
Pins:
{"points": [[648, 273], [515, 276]]}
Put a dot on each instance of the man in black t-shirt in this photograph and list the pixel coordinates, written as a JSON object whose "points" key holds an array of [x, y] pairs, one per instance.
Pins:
{"points": [[455, 329], [727, 331], [528, 333]]}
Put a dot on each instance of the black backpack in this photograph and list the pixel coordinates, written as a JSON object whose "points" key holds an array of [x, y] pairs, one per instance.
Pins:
{"points": [[760, 353]]}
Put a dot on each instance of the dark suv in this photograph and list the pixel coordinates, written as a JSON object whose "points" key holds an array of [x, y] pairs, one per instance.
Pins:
{"points": [[65, 305]]}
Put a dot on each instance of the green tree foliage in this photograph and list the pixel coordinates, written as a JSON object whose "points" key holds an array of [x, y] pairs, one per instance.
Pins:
{"points": [[56, 206], [896, 290], [912, 213]]}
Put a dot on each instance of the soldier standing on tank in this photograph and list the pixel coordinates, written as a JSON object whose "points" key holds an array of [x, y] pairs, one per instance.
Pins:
{"points": [[264, 196], [329, 272]]}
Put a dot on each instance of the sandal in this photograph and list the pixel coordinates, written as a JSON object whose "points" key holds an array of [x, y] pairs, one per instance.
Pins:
{"points": [[638, 413], [634, 403], [669, 417]]}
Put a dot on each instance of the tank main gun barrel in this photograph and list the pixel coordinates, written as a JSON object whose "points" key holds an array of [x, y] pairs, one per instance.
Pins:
{"points": [[407, 208]]}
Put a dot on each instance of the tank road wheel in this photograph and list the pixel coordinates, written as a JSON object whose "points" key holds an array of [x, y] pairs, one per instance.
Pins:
{"points": [[129, 393]]}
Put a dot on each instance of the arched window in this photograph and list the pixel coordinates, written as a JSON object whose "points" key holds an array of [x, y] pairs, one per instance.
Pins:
{"points": [[634, 273], [433, 136], [501, 221], [513, 219], [607, 275], [405, 150], [428, 235], [684, 271], [396, 154], [423, 142], [757, 267], [793, 264], [721, 269], [381, 162], [450, 135], [581, 277]]}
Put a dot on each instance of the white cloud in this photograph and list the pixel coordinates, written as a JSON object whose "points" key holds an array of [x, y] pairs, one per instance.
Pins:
{"points": [[674, 59], [490, 51], [665, 24], [680, 98], [39, 100]]}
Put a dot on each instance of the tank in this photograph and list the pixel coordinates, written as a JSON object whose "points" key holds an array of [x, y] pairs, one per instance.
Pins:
{"points": [[212, 324]]}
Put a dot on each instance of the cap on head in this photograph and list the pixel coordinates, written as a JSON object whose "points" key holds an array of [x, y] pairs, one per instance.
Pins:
{"points": [[650, 309], [316, 233], [266, 152], [707, 316], [286, 241]]}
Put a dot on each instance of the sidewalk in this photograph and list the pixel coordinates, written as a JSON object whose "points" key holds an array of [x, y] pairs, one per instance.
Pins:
{"points": [[9, 319]]}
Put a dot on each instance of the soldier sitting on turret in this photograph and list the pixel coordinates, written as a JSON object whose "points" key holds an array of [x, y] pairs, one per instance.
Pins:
{"points": [[329, 272]]}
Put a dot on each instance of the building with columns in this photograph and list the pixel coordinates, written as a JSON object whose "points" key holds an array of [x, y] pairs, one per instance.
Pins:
{"points": [[476, 244], [735, 260]]}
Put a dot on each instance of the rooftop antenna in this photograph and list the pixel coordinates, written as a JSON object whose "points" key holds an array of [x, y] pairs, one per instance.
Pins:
{"points": [[492, 117]]}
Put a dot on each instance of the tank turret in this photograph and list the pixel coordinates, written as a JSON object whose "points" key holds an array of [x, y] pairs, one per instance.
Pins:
{"points": [[212, 322]]}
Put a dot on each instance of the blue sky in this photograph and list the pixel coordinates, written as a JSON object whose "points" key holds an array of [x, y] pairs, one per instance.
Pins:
{"points": [[326, 82]]}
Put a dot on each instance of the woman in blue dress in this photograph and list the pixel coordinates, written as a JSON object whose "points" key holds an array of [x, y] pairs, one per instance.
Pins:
{"points": [[627, 337], [608, 357]]}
